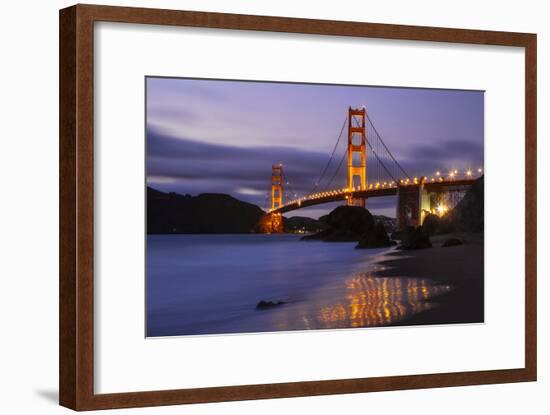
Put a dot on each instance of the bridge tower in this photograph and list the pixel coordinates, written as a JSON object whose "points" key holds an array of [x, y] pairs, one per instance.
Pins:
{"points": [[276, 219], [276, 186], [357, 144]]}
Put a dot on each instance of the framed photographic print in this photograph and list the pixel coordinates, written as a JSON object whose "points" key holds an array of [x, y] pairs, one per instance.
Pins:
{"points": [[257, 207]]}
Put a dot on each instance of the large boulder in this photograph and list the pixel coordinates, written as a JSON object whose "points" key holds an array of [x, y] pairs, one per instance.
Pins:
{"points": [[376, 238], [415, 238], [351, 218], [345, 224]]}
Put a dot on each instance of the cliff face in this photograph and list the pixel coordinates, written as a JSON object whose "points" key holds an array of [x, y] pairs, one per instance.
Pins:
{"points": [[205, 213], [467, 215]]}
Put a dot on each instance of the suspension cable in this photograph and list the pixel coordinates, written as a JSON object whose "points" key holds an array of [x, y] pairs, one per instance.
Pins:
{"points": [[387, 149], [330, 158], [381, 163], [337, 170]]}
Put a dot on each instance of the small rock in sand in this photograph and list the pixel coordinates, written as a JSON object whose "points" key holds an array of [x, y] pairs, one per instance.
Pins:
{"points": [[262, 305]]}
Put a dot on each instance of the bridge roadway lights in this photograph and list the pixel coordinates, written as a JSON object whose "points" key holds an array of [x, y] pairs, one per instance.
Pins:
{"points": [[414, 200]]}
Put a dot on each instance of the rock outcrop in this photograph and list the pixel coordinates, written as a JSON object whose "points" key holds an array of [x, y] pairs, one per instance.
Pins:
{"points": [[376, 238], [345, 224], [415, 238], [352, 224]]}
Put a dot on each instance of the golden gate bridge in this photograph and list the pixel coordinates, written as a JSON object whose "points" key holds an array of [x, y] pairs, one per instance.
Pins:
{"points": [[367, 152]]}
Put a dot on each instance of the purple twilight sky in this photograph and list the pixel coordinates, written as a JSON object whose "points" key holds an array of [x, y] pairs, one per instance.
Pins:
{"points": [[209, 136]]}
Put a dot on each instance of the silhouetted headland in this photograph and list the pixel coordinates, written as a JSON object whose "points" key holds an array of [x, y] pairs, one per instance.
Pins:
{"points": [[205, 213], [212, 213]]}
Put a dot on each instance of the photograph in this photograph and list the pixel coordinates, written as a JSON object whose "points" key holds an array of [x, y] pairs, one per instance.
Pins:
{"points": [[282, 206]]}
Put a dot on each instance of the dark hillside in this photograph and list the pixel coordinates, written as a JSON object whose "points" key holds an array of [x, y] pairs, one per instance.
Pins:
{"points": [[205, 213]]}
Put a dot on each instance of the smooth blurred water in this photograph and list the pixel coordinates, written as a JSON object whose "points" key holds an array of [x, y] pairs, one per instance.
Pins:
{"points": [[210, 284]]}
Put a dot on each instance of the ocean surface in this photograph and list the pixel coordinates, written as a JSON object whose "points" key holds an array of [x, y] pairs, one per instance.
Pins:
{"points": [[211, 284]]}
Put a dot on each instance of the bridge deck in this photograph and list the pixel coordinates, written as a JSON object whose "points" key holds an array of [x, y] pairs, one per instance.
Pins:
{"points": [[343, 194]]}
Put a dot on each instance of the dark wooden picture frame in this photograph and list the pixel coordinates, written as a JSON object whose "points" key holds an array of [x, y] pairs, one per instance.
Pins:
{"points": [[76, 279]]}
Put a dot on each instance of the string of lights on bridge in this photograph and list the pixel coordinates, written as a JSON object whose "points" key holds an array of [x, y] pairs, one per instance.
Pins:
{"points": [[438, 177]]}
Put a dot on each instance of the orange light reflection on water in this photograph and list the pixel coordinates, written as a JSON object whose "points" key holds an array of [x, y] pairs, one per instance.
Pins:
{"points": [[380, 301]]}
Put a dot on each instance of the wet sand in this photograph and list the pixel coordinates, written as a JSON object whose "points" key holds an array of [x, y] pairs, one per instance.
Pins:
{"points": [[461, 267]]}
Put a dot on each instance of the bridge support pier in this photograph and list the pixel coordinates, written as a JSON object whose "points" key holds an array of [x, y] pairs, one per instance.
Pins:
{"points": [[413, 201], [273, 222]]}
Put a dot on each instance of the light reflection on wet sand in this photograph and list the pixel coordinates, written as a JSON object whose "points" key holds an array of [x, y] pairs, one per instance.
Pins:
{"points": [[380, 301], [369, 301]]}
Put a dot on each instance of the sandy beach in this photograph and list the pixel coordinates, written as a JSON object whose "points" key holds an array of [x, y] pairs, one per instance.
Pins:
{"points": [[459, 266]]}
